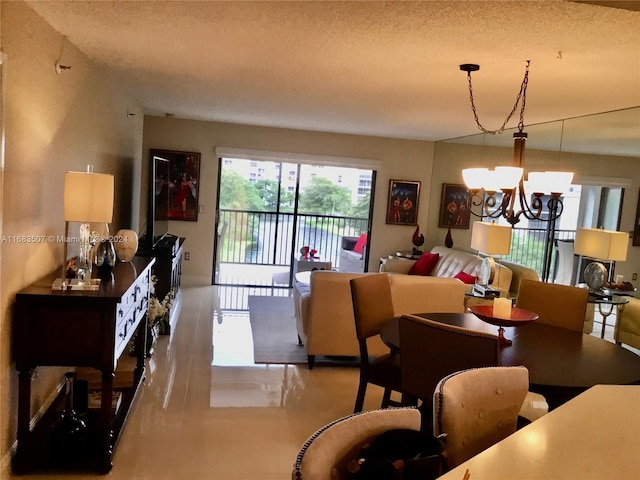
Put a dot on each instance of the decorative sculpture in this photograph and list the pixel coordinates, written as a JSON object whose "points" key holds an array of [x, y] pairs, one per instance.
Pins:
{"points": [[418, 241]]}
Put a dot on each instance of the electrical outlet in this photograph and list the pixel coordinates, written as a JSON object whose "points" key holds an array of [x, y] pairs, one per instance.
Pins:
{"points": [[634, 276], [187, 256]]}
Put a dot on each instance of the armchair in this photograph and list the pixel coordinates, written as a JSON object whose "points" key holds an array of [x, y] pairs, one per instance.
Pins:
{"points": [[628, 325]]}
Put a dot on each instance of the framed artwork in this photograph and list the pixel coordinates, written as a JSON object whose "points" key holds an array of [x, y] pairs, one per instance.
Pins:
{"points": [[177, 182], [636, 226], [454, 206], [402, 204]]}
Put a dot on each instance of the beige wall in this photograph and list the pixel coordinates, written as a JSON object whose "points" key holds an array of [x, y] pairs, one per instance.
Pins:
{"points": [[54, 123], [398, 159]]}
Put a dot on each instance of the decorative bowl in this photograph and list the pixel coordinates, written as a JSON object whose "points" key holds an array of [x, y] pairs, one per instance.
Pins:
{"points": [[519, 316]]}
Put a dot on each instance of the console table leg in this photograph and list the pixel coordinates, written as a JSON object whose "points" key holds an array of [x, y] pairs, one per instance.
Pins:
{"points": [[106, 448], [21, 460]]}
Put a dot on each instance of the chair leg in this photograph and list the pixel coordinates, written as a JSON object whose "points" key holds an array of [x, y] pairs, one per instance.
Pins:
{"points": [[299, 340], [409, 400], [386, 398], [311, 360], [362, 389]]}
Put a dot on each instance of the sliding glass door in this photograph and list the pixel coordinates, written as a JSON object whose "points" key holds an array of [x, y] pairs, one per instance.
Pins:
{"points": [[268, 211]]}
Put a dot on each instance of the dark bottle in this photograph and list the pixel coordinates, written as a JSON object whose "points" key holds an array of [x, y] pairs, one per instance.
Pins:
{"points": [[69, 431]]}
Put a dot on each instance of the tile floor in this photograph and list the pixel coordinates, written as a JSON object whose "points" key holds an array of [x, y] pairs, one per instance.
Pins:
{"points": [[206, 411]]}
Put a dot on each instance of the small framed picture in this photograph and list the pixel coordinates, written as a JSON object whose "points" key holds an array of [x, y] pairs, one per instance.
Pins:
{"points": [[454, 206], [402, 204]]}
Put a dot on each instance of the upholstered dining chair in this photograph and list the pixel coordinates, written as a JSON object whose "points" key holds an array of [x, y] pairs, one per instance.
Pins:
{"points": [[477, 408], [326, 454], [558, 305], [372, 307]]}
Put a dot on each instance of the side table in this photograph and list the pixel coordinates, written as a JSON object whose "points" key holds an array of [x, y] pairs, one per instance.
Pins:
{"points": [[611, 301], [302, 264]]}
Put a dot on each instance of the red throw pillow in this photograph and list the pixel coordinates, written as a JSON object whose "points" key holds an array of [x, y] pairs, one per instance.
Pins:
{"points": [[360, 244], [466, 278], [424, 265]]}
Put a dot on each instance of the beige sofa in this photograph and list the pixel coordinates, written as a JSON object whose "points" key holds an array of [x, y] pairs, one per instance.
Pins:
{"points": [[451, 262], [324, 312]]}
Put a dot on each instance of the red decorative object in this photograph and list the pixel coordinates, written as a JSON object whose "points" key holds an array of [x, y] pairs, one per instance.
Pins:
{"points": [[360, 244], [305, 252], [465, 277], [519, 316], [417, 239], [425, 264]]}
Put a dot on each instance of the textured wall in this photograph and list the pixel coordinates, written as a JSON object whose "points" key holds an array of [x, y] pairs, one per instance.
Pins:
{"points": [[54, 123]]}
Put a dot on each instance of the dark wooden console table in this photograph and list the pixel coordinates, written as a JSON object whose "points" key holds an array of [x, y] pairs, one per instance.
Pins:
{"points": [[168, 252], [80, 329]]}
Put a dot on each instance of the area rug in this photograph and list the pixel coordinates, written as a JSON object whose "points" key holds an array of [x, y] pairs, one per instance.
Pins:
{"points": [[273, 327], [275, 339]]}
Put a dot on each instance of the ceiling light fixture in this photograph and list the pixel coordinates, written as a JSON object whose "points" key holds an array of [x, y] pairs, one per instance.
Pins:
{"points": [[484, 184]]}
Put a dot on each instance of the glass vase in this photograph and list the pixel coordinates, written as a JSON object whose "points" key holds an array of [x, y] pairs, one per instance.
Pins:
{"points": [[69, 431]]}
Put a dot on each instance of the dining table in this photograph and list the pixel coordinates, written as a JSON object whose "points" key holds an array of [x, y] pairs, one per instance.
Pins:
{"points": [[594, 436], [562, 363]]}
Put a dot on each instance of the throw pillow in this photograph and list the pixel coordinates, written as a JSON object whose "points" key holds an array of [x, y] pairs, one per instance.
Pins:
{"points": [[425, 264], [360, 244], [466, 278]]}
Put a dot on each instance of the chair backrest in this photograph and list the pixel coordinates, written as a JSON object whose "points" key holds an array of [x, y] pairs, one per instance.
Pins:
{"points": [[558, 305], [477, 408], [326, 453], [429, 351], [372, 303]]}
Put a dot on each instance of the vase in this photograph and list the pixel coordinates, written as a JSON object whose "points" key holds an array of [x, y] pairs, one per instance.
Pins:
{"points": [[104, 257], [126, 244], [448, 240], [69, 431], [152, 337]]}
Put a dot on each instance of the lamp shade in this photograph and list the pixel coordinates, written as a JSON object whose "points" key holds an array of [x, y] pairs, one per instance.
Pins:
{"points": [[601, 244], [491, 238], [88, 197]]}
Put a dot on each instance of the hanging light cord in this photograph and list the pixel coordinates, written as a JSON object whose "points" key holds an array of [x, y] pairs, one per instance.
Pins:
{"points": [[522, 94]]}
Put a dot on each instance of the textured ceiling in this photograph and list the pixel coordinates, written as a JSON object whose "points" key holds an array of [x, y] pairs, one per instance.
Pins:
{"points": [[377, 68]]}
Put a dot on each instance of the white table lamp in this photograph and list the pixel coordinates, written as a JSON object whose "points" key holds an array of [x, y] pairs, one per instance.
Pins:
{"points": [[490, 239], [88, 198], [599, 244]]}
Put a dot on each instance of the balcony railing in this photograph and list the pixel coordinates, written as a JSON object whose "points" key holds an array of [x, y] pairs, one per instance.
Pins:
{"points": [[528, 245], [267, 239]]}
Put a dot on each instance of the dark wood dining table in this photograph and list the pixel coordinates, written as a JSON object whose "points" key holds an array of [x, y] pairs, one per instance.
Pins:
{"points": [[562, 363]]}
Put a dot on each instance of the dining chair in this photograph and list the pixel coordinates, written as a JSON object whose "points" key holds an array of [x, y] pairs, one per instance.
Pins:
{"points": [[558, 305], [327, 452], [372, 308], [474, 409], [432, 350], [429, 351]]}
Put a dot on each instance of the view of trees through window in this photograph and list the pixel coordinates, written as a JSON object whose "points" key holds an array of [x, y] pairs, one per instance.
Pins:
{"points": [[272, 209]]}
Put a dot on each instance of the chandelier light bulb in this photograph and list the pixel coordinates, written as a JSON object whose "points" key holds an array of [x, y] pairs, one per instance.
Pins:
{"points": [[474, 178], [508, 177]]}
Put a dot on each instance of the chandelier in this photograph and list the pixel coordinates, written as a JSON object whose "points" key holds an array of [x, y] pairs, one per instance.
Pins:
{"points": [[485, 185]]}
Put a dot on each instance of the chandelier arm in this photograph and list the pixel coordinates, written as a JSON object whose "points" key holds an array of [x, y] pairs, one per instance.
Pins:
{"points": [[522, 94]]}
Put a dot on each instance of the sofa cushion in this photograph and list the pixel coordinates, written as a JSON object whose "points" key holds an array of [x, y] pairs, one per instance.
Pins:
{"points": [[424, 265], [465, 277], [360, 244]]}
